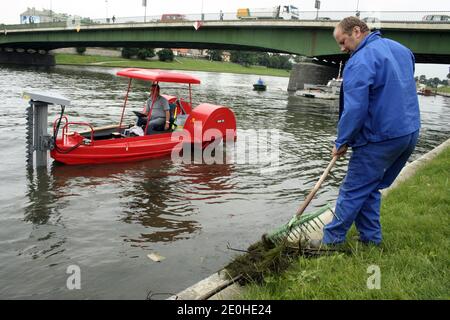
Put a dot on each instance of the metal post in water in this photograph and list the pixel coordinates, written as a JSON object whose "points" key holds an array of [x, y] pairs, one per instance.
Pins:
{"points": [[41, 136], [37, 137], [29, 136]]}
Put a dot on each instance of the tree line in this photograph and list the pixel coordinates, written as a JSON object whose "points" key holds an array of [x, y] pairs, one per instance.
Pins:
{"points": [[140, 53], [144, 53], [432, 82], [248, 58], [245, 58]]}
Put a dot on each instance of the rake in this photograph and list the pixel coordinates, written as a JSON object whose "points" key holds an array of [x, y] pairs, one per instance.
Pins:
{"points": [[299, 225]]}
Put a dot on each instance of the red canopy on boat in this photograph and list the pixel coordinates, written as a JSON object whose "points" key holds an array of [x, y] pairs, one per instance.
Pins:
{"points": [[157, 75]]}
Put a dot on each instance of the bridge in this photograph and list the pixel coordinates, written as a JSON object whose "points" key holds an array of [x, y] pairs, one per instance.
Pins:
{"points": [[429, 42]]}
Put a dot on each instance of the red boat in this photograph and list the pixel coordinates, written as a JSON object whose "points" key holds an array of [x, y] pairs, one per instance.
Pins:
{"points": [[116, 143]]}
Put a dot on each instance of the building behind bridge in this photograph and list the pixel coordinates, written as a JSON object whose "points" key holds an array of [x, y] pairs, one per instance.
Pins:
{"points": [[32, 15]]}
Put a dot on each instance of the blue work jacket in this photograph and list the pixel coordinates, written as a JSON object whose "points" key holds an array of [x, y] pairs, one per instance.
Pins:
{"points": [[379, 99]]}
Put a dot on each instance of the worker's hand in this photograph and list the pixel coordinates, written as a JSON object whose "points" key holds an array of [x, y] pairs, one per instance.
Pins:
{"points": [[339, 153], [166, 126]]}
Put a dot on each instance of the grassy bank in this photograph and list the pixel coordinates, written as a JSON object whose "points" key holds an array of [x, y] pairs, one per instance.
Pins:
{"points": [[413, 258], [445, 89], [178, 64]]}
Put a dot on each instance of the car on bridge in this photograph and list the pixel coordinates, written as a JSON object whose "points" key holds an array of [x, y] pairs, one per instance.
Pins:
{"points": [[370, 20], [173, 17], [436, 18]]}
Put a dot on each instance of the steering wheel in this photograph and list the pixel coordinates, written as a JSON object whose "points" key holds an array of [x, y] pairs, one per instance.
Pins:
{"points": [[140, 114]]}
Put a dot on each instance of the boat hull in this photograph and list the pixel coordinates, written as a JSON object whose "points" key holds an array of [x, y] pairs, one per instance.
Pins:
{"points": [[319, 95], [259, 87], [114, 151], [205, 124]]}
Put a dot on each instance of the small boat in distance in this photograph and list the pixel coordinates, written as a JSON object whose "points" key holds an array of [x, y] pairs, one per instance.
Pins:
{"points": [[260, 85], [330, 91]]}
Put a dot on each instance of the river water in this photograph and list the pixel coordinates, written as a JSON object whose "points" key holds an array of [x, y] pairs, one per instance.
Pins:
{"points": [[106, 220]]}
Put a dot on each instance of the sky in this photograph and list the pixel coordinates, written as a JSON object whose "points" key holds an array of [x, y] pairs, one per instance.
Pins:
{"points": [[10, 10], [100, 9]]}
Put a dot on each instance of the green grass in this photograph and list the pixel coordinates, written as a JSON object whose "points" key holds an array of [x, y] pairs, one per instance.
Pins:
{"points": [[178, 64], [414, 258], [444, 89]]}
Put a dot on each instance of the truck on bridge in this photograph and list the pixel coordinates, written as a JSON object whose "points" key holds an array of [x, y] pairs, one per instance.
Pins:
{"points": [[287, 12]]}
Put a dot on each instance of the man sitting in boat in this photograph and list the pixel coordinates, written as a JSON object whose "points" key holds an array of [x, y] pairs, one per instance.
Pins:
{"points": [[260, 81], [160, 116]]}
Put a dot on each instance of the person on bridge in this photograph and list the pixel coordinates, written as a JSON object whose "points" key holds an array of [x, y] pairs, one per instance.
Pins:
{"points": [[379, 119], [160, 111]]}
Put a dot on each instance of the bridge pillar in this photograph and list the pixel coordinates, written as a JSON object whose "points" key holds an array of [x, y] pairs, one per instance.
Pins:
{"points": [[309, 72], [27, 58]]}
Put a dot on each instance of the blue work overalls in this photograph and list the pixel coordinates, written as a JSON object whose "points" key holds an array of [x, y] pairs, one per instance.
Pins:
{"points": [[380, 120]]}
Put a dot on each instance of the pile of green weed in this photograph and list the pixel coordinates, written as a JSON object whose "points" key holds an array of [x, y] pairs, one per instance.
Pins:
{"points": [[260, 261]]}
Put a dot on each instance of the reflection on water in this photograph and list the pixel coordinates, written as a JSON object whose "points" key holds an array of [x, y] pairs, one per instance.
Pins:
{"points": [[107, 218], [149, 194], [40, 206]]}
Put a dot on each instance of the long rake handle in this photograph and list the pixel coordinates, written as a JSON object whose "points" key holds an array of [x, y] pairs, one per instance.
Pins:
{"points": [[316, 187]]}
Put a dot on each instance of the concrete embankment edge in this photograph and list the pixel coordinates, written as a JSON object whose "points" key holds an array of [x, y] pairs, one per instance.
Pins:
{"points": [[411, 168], [218, 287]]}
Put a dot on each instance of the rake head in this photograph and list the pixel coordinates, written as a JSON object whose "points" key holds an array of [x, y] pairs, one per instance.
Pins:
{"points": [[301, 228]]}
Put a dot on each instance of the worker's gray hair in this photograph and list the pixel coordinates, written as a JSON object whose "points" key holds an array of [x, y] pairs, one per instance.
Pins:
{"points": [[347, 25]]}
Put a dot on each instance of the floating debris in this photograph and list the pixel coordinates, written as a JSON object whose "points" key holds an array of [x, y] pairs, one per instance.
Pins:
{"points": [[156, 257]]}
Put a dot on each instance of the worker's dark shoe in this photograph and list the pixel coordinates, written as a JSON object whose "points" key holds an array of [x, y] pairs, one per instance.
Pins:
{"points": [[365, 242]]}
